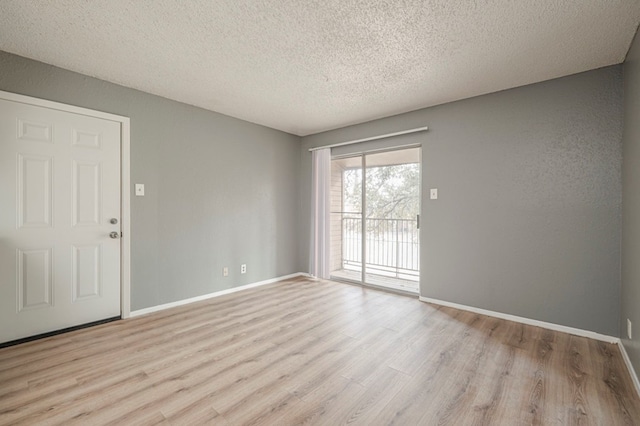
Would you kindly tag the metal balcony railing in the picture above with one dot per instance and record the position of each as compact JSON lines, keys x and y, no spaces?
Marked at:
{"x":393,"y":247}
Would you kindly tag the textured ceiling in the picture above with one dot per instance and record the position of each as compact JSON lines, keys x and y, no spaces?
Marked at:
{"x":309,"y":66}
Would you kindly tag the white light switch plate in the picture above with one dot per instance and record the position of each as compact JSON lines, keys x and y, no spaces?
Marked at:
{"x":434,"y":194}
{"x":139,"y":190}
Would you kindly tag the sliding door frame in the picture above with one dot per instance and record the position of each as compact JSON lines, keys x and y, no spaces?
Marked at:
{"x":363,"y":164}
{"x":363,"y":221}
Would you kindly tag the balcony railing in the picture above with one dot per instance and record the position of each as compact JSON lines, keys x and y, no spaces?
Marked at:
{"x":393,"y":247}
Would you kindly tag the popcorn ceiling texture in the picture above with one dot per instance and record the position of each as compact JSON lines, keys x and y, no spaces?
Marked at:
{"x":307,"y":67}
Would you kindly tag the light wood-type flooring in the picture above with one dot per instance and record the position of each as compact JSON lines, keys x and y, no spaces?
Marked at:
{"x":315,"y":352}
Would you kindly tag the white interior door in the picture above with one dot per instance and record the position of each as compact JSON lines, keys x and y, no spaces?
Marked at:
{"x":59,"y":194}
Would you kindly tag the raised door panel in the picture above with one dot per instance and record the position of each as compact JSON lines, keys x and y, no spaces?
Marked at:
{"x":87,"y":193}
{"x":87,"y":272}
{"x":30,"y":130}
{"x":35,"y":279}
{"x":35,"y":192}
{"x":87,"y":139}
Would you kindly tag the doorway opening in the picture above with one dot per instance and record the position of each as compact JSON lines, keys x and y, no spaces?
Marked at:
{"x":375,"y":216}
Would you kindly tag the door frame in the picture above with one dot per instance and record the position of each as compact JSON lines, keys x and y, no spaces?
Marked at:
{"x":363,"y":164}
{"x":125,"y":185}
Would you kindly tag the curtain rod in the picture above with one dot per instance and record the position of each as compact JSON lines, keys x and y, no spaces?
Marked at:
{"x":373,"y":138}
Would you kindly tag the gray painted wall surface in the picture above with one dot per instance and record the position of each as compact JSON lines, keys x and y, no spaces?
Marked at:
{"x":630,"y":307}
{"x":219,"y":191}
{"x":529,"y":212}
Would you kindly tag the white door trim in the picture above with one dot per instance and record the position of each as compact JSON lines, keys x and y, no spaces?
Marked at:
{"x":125,"y":190}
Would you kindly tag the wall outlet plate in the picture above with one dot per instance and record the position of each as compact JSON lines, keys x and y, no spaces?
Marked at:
{"x":243,"y":268}
{"x":225,"y":271}
{"x":433,"y":193}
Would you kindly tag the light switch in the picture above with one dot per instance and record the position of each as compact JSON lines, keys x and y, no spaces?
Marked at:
{"x":139,"y":190}
{"x":434,"y":193}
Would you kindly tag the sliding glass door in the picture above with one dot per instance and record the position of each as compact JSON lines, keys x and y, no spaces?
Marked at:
{"x":375,"y":206}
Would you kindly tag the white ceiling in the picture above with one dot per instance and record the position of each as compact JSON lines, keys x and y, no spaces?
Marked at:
{"x":309,"y":66}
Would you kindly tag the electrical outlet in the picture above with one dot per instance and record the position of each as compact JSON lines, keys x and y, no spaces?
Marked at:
{"x":243,"y":268}
{"x":629,"y":333}
{"x":225,"y":271}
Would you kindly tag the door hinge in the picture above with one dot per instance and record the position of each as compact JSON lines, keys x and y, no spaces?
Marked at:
{"x":417,"y":221}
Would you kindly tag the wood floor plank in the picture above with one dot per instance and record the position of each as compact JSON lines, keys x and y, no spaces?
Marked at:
{"x":535,"y":373}
{"x":610,"y":384}
{"x":199,"y":412}
{"x":379,"y":392}
{"x":306,"y":351}
{"x":329,"y":402}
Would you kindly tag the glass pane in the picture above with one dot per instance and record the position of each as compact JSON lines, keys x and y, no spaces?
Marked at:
{"x":392,"y":207}
{"x":346,"y":218}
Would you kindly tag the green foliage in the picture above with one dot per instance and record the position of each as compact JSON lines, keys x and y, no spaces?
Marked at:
{"x":393,"y":192}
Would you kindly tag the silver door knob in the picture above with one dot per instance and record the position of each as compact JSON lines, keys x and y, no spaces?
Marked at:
{"x":114,"y":235}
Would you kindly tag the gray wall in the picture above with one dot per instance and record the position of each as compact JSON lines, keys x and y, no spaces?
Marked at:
{"x":529,"y":211}
{"x":528,"y":220}
{"x":631,"y":207}
{"x":219,"y":191}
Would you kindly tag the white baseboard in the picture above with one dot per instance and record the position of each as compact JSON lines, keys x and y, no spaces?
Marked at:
{"x":523,"y":320}
{"x":632,"y":371}
{"x":214,"y":294}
